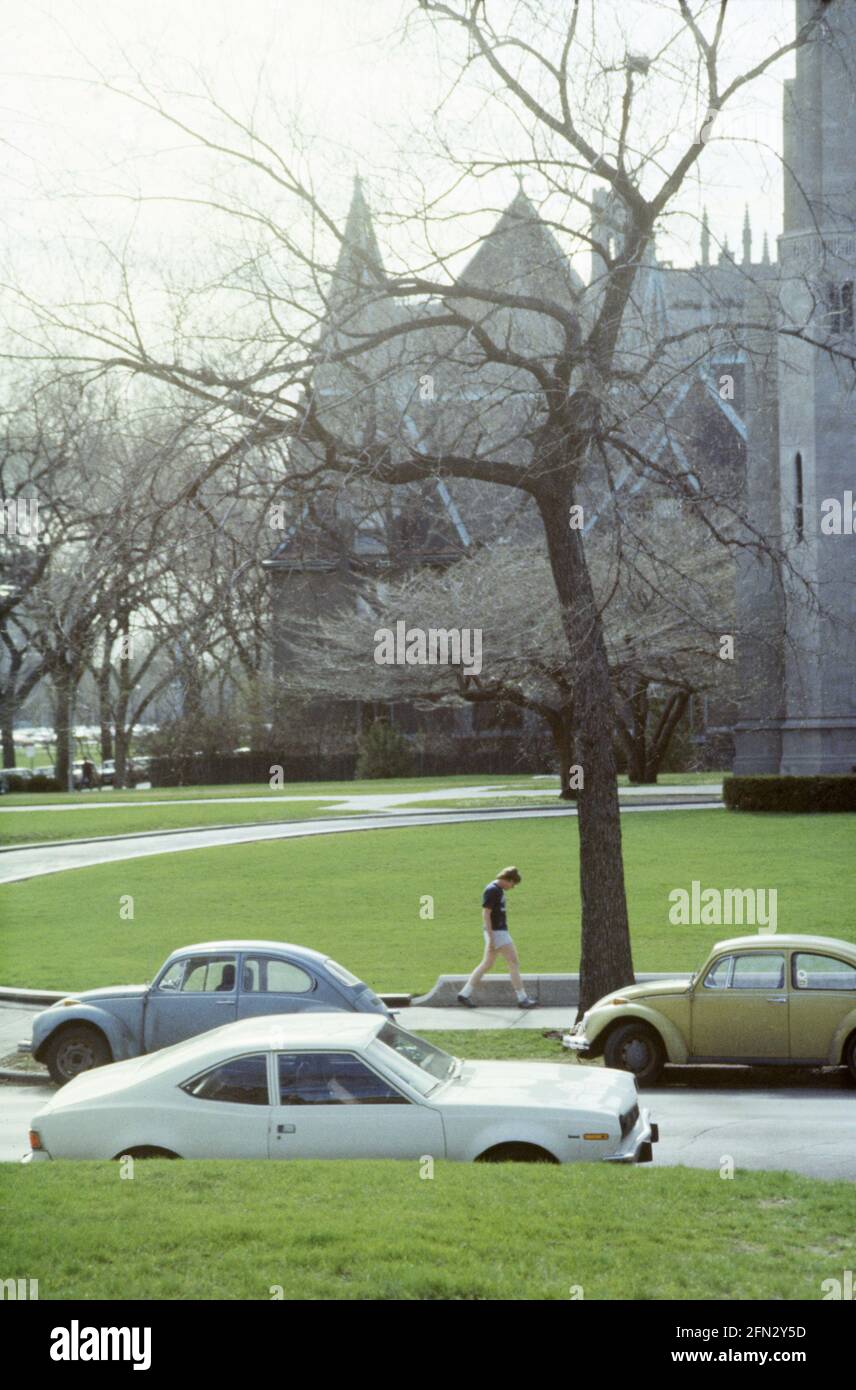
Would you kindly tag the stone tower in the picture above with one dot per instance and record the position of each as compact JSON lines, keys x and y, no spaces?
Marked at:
{"x":809,"y":723}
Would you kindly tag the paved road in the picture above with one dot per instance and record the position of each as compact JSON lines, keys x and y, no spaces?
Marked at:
{"x":17,"y":864}
{"x":705,"y":1113}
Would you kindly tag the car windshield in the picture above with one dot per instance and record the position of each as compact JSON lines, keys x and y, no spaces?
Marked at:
{"x":433,"y":1060}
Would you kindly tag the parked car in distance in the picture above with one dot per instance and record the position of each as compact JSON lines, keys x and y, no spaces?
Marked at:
{"x":196,"y":989}
{"x":341,"y":1086}
{"x":783,"y":1000}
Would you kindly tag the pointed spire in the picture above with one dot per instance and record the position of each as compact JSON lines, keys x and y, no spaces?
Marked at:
{"x":359,"y":264}
{"x":765,"y":255}
{"x":705,"y":238}
{"x":726,"y":255}
{"x":747,"y":238}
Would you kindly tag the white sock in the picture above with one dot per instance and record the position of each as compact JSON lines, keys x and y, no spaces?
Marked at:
{"x":466,"y":991}
{"x":521,"y":995}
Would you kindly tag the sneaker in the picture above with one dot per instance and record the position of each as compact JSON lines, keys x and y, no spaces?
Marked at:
{"x":466,"y":1001}
{"x":527,"y":1003}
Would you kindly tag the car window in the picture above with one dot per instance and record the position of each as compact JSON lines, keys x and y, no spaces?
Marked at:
{"x":822,"y":972}
{"x":172,"y":978}
{"x":240,"y":1081}
{"x":271,"y":975}
{"x":759,"y":970}
{"x":422,"y":1054}
{"x":719,"y":975}
{"x":332,"y":1078}
{"x":209,"y":974}
{"x":341,"y":974}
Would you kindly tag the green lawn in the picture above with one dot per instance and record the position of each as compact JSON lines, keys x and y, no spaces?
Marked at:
{"x":377,"y":1230}
{"x":39,"y":827}
{"x":358,"y":896}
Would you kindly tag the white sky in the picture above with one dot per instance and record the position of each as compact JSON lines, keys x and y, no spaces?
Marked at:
{"x":360,"y":93}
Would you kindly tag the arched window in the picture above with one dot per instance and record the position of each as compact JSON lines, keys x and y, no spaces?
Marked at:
{"x":799,"y":512}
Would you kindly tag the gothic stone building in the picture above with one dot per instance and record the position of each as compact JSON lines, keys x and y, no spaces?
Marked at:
{"x":784,"y":430}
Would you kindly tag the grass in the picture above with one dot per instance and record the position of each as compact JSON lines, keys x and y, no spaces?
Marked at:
{"x":358,"y":896}
{"x":376,"y":1231}
{"x":29,"y":828}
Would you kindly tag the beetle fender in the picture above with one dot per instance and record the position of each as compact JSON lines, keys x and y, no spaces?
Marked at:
{"x":840,"y":1036}
{"x":673,"y":1039}
{"x":121,"y":1041}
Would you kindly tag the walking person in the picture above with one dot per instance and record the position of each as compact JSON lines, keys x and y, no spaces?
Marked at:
{"x":497,"y":939}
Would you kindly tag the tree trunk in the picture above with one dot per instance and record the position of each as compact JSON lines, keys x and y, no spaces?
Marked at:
{"x":606,"y":961}
{"x":7,"y":726}
{"x":562,"y":729}
{"x":64,"y":721}
{"x":104,"y":711}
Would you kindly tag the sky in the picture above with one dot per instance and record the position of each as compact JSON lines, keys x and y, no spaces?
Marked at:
{"x":334,"y":79}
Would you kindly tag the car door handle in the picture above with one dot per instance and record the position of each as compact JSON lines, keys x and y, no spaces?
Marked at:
{"x":780,"y":999}
{"x":286,"y":1129}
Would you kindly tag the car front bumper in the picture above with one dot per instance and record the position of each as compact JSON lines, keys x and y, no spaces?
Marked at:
{"x":26,"y":1047}
{"x":638,"y":1146}
{"x":577,"y":1041}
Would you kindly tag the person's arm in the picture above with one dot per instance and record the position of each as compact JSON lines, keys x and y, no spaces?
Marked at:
{"x":488,"y":922}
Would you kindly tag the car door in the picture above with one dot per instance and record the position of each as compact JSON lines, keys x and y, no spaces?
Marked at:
{"x":740,"y":1009}
{"x":823,"y":992}
{"x":277,"y":985}
{"x":333,"y":1105}
{"x":193,"y":995}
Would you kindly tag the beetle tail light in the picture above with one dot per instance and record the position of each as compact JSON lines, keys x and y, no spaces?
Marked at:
{"x":35,"y":1139}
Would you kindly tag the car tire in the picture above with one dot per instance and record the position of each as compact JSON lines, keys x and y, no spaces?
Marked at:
{"x":636,"y":1048}
{"x":74,"y":1049}
{"x":516,"y":1153}
{"x":145,"y":1151}
{"x":848,"y":1056}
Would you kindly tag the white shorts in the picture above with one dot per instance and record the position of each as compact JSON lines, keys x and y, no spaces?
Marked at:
{"x":497,"y":938}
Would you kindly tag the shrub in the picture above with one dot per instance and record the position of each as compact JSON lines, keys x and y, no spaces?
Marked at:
{"x":383,"y":752}
{"x":42,"y":783}
{"x":773,"y":793}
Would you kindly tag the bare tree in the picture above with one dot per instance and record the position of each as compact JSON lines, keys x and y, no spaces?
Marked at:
{"x":567,"y":389}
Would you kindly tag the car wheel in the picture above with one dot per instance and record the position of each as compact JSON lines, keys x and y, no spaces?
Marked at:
{"x":636,"y":1048}
{"x":849,"y":1055}
{"x":74,"y":1049}
{"x":145,"y":1151}
{"x":516,"y":1153}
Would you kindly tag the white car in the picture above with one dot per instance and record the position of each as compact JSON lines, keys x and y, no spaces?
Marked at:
{"x":340,"y":1085}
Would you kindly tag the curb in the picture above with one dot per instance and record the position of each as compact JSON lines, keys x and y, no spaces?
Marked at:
{"x":37,"y":1078}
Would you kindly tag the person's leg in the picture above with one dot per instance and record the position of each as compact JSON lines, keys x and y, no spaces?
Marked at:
{"x":509,"y":954}
{"x":482,"y":968}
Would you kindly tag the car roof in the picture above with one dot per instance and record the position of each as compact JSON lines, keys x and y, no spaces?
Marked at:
{"x":788,"y":940}
{"x":246,"y":944}
{"x":278,"y":1031}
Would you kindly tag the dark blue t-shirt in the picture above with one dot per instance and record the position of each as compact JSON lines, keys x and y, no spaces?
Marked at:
{"x":494,"y":898}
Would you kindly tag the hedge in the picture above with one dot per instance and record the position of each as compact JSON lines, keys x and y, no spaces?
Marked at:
{"x":773,"y":793}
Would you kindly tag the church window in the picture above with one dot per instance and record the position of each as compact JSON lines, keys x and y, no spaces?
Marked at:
{"x":840,"y":299}
{"x":799,"y":509}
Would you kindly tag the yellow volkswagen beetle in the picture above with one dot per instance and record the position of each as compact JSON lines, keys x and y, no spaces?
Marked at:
{"x":759,"y":1000}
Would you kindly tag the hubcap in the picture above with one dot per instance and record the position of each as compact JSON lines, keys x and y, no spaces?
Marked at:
{"x":636,"y":1055}
{"x":74,"y":1057}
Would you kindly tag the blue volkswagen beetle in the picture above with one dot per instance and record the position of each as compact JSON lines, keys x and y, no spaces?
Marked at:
{"x":197,"y":988}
